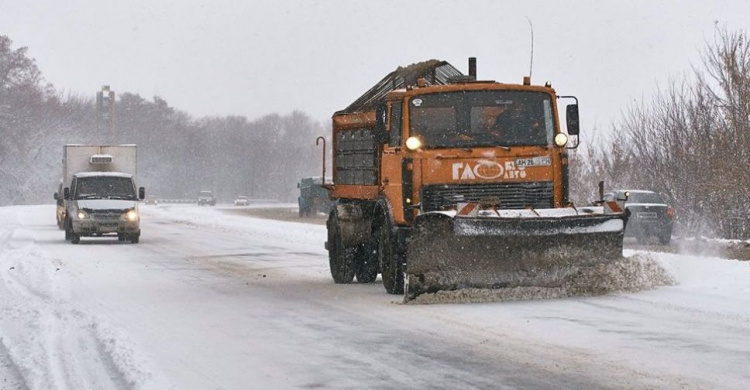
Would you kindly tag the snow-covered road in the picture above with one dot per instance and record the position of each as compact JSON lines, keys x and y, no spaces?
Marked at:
{"x":215,"y":300}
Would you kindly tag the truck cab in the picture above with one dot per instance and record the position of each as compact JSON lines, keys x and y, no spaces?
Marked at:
{"x":102,"y":203}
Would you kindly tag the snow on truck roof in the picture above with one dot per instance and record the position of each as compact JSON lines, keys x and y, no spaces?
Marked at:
{"x":435,"y":72}
{"x":110,"y":174}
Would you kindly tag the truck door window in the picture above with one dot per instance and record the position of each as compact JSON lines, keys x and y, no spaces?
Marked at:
{"x":395,"y":124}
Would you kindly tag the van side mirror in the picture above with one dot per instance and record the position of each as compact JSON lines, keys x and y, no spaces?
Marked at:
{"x":571,"y":116}
{"x":56,"y":196}
{"x":381,"y":132}
{"x":141,"y":193}
{"x":66,"y":193}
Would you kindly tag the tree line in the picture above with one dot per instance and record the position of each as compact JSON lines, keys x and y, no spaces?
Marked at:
{"x":178,"y":155}
{"x":691,"y":142}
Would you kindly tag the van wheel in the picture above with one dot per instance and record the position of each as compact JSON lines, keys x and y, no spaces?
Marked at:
{"x":665,"y":238}
{"x":75,"y":238}
{"x":134,"y":239}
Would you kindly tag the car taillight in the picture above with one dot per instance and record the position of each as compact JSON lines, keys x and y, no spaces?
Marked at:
{"x":670,"y":212}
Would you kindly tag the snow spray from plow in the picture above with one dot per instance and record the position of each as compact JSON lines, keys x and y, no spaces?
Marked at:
{"x":500,"y":249}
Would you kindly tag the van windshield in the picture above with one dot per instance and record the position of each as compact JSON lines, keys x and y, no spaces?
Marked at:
{"x":482,"y":118}
{"x":105,"y":187}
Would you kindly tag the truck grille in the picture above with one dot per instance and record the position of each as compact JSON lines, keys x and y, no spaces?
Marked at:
{"x":537,"y":195}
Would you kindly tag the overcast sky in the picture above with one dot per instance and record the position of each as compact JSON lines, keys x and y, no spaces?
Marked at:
{"x":258,"y":57}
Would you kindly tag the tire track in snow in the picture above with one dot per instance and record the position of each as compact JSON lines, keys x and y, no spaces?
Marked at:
{"x":12,"y":378}
{"x":47,"y":342}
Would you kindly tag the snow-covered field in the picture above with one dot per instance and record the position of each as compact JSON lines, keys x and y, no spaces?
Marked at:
{"x":216,"y":300}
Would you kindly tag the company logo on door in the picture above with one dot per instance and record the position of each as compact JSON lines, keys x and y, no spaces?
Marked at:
{"x":487,"y":170}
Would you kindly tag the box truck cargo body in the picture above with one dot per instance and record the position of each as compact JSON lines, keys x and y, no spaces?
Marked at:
{"x":99,"y":192}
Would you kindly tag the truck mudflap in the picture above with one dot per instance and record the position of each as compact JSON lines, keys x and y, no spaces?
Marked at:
{"x":491,"y":249}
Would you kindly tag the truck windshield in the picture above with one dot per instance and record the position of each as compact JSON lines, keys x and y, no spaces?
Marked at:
{"x":105,"y":187}
{"x":482,"y":118}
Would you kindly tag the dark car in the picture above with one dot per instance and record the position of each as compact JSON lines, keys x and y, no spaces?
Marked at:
{"x":650,"y":217}
{"x":206,"y":198}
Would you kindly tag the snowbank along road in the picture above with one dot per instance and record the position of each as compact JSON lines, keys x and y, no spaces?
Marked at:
{"x":217,"y":300}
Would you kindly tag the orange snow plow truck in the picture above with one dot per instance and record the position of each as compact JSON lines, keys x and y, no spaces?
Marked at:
{"x":443,"y":182}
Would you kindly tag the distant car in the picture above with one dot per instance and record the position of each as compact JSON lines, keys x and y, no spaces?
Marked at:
{"x":649,"y":215}
{"x":241,"y":201}
{"x":206,"y":197}
{"x":151,"y":199}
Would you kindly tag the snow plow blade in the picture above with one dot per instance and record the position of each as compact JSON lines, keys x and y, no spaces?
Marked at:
{"x":510,"y":248}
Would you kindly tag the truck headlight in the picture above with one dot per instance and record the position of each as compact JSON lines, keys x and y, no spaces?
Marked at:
{"x":413,"y":143}
{"x":131,"y":215}
{"x":82,"y":214}
{"x":561,"y":139}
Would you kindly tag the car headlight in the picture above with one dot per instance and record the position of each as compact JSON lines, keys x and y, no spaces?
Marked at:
{"x":82,"y":214}
{"x":131,"y":215}
{"x":561,"y":139}
{"x":413,"y":143}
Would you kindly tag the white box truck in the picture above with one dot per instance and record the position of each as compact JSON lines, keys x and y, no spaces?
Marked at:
{"x":99,"y":192}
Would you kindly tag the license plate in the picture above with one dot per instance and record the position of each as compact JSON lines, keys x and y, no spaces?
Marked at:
{"x":541,"y":161}
{"x":649,"y":215}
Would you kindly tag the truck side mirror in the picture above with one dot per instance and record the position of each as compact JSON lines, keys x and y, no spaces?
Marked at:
{"x":56,"y":196}
{"x":381,"y":132}
{"x":571,"y":115}
{"x":141,"y":193}
{"x":66,"y":193}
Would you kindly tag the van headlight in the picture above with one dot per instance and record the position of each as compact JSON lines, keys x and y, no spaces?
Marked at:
{"x":131,"y":215}
{"x":82,"y":214}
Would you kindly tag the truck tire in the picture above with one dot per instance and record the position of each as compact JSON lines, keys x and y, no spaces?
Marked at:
{"x":367,"y":263}
{"x":665,"y":238}
{"x":340,"y":258}
{"x":392,"y":268}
